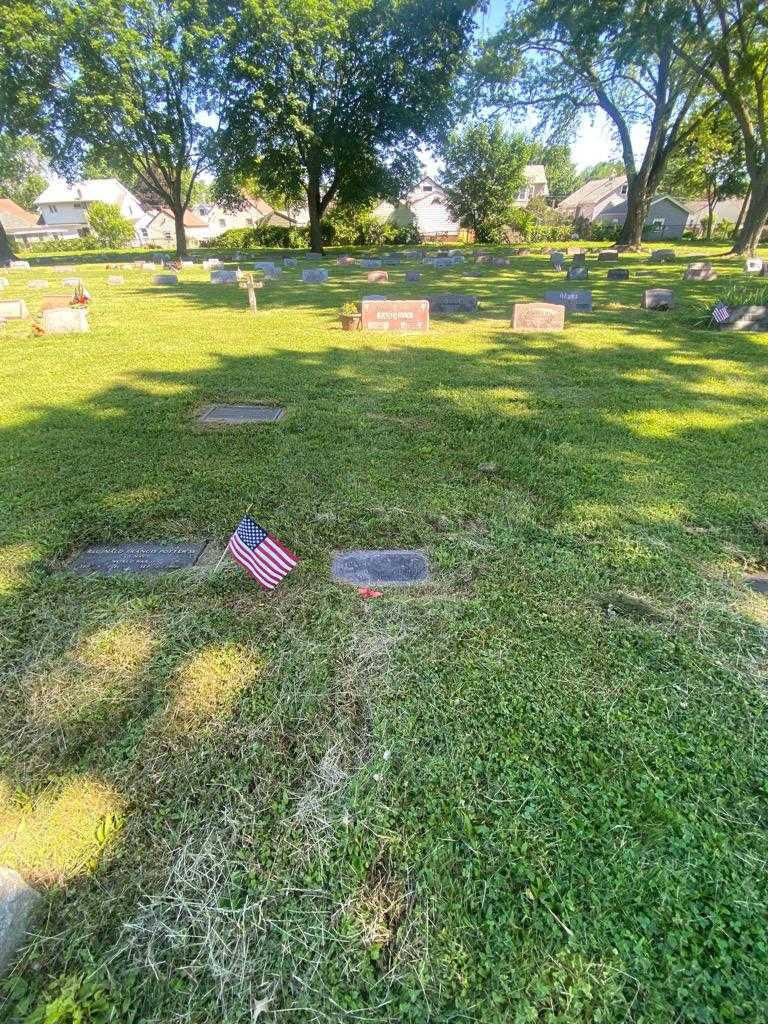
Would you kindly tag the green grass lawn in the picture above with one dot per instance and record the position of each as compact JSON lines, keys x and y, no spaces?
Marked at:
{"x":531,"y":790}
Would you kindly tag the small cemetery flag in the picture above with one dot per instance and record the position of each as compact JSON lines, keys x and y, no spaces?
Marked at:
{"x":721,"y":312}
{"x":265,"y":558}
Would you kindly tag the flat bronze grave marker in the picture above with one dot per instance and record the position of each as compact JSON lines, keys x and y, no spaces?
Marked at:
{"x":136,"y":558}
{"x":242,"y":414}
{"x":380,"y":568}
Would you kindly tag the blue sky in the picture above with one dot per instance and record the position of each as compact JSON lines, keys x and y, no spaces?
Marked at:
{"x":594,"y":139}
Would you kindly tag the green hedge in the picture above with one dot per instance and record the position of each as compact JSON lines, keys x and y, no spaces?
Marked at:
{"x":85,"y":244}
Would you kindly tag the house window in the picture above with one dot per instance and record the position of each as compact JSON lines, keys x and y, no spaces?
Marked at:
{"x":427,"y":188}
{"x":658,"y":222}
{"x":53,"y":208}
{"x":249,"y":221}
{"x":624,"y":189}
{"x":78,"y":206}
{"x":222,"y":222}
{"x":522,"y":195}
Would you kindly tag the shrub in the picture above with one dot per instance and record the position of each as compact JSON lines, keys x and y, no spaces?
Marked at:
{"x":262,"y":236}
{"x":724,"y":229}
{"x":110,"y":227}
{"x":85,"y":244}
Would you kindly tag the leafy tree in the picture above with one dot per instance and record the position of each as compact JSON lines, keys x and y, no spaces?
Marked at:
{"x":728,"y":40}
{"x":602,"y":169}
{"x":562,"y":177}
{"x":141,"y":75}
{"x":331,"y":100}
{"x":483,"y":176}
{"x":710,"y":164}
{"x":109,"y":226}
{"x":22,"y":167}
{"x":564,"y":57}
{"x":31,"y":32}
{"x":145,"y":192}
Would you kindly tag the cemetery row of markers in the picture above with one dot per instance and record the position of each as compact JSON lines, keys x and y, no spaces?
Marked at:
{"x":61,"y":315}
{"x":264,"y":557}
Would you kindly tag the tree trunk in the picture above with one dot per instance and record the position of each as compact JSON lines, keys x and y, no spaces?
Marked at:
{"x":754,"y":219}
{"x":638,"y":204}
{"x":742,"y":211}
{"x":181,"y":234}
{"x":710,"y":218}
{"x":315,"y":218}
{"x":5,"y":248}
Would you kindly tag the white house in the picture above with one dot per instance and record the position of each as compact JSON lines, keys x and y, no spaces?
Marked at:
{"x":64,"y":207}
{"x":158,"y":227}
{"x":253,"y":213}
{"x":426,"y":205}
{"x":535,"y":184}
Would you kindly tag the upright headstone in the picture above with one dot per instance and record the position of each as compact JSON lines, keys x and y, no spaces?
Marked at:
{"x":66,"y":321}
{"x":319,"y":276}
{"x":579,"y":259}
{"x":403,"y":315}
{"x":19,"y":265}
{"x":442,"y":262}
{"x":313,"y":255}
{"x":556,"y":259}
{"x":501,"y":261}
{"x":290,"y":261}
{"x":608,"y":256}
{"x":411,"y":276}
{"x":662,"y":256}
{"x":617,"y":274}
{"x":538,"y":316}
{"x":578,"y":301}
{"x":115,"y":279}
{"x":377,"y":275}
{"x":753,"y":265}
{"x":701,"y":271}
{"x":225,"y":276}
{"x":370,"y":264}
{"x":452,"y":303}
{"x":14,"y":310}
{"x":346,"y":261}
{"x":577,"y":274}
{"x":658,"y":298}
{"x":38,"y":283}
{"x":72,"y":282}
{"x":267,"y":268}
{"x":165,"y":279}
{"x":148,"y":266}
{"x":210,"y":264}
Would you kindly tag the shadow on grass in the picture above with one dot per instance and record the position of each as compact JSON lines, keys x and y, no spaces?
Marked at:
{"x":539,"y":472}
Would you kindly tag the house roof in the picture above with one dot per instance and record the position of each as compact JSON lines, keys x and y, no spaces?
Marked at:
{"x":191,"y":220}
{"x":595,"y":190}
{"x":535,"y":174}
{"x":8,"y":207}
{"x":619,"y":208}
{"x":89,"y":190}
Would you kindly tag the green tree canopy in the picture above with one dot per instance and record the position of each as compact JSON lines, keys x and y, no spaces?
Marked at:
{"x":332,"y":99}
{"x":31,"y":35}
{"x":109,"y":225}
{"x":710,"y":165}
{"x":141,"y":95}
{"x":483,"y":176}
{"x":565,"y":58}
{"x":22,"y":169}
{"x":728,"y":41}
{"x":602,"y":169}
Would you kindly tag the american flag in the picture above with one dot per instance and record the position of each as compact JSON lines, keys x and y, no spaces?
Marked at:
{"x":720,"y":313}
{"x":265,"y":558}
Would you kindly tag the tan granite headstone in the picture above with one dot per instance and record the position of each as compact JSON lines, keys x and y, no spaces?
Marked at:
{"x":538,"y":316}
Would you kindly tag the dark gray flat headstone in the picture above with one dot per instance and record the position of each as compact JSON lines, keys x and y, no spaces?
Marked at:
{"x":380,"y":568}
{"x":758,"y":581}
{"x":453,"y":303}
{"x":17,"y":902}
{"x":242,"y":414}
{"x":577,"y":274}
{"x":149,"y":557}
{"x":617,"y":274}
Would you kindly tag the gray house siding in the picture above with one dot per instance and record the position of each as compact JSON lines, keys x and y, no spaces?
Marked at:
{"x":666,"y":219}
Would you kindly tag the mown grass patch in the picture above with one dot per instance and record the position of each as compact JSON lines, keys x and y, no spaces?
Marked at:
{"x":532,"y":790}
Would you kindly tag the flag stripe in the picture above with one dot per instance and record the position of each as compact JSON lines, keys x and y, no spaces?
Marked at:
{"x":248,"y":559}
{"x":253,"y":559}
{"x":244,"y":558}
{"x":260,"y":554}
